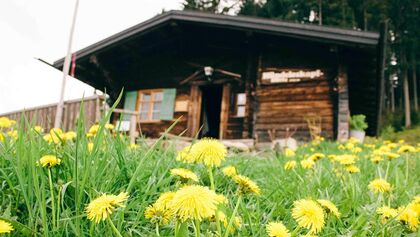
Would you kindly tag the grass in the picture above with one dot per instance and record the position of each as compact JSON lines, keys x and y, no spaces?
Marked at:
{"x":29,"y":202}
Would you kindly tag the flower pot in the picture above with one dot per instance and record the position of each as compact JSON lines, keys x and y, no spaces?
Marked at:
{"x":359,"y":135}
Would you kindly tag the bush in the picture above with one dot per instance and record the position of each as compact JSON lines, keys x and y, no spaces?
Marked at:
{"x":357,"y":122}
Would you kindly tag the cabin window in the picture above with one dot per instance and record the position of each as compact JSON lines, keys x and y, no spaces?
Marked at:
{"x":150,"y":102}
{"x":240,"y":104}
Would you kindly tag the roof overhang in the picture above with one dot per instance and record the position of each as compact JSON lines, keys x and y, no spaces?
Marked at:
{"x":274,"y":27}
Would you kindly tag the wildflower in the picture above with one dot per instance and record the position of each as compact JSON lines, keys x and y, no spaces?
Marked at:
{"x":103,"y":206}
{"x":5,"y":227}
{"x":289,"y":152}
{"x":55,"y":136}
{"x":308,"y":214}
{"x":109,"y":126}
{"x":38,"y":129}
{"x":208,"y":151}
{"x":379,"y":185}
{"x":346,"y":159}
{"x":246,"y":185}
{"x":376,"y":159}
{"x":90,"y":146}
{"x":93,"y":129}
{"x":409,"y":217}
{"x":194,"y":203}
{"x":392,"y":145}
{"x":222,"y":218}
{"x":290,"y":165}
{"x":13,"y":134}
{"x":49,"y":161}
{"x":329,"y":207}
{"x":353,"y":140}
{"x":307,"y":163}
{"x":332,"y":157}
{"x":158,"y":214}
{"x":1,"y":137}
{"x":352,"y":169}
{"x":356,"y":150}
{"x":133,"y":146}
{"x":5,"y":122}
{"x":165,"y":199}
{"x":277,"y":229}
{"x":316,"y":156}
{"x":69,"y":136}
{"x":184,"y":174}
{"x":406,"y":149}
{"x":229,"y":171}
{"x":185,"y":155}
{"x":386,"y":213}
{"x":391,"y":155}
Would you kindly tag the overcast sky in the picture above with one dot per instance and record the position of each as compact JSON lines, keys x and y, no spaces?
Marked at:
{"x":40,"y":29}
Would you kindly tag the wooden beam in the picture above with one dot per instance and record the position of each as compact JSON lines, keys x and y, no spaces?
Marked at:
{"x":224,"y":112}
{"x":343,"y":114}
{"x":191,"y":77}
{"x":194,"y":111}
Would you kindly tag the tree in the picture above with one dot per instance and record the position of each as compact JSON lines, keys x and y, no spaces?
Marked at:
{"x":214,"y":6}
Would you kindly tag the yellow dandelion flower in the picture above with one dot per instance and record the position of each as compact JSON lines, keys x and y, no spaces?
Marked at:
{"x":376,"y":159}
{"x":100,"y":208}
{"x":222,"y":199}
{"x":406,"y":149}
{"x":386,"y":213}
{"x":194,"y":203}
{"x":1,"y":137}
{"x":94,"y":129}
{"x":49,"y":161}
{"x":356,"y":150}
{"x":352,"y":169}
{"x":308,"y":214}
{"x":332,"y":157}
{"x":392,"y":145}
{"x":90,"y":146}
{"x":379,"y":185}
{"x":5,"y":122}
{"x":69,"y":136}
{"x":353,"y":140}
{"x":349,"y":146}
{"x":316,"y":156}
{"x":346,"y":159}
{"x":56,"y":135}
{"x":133,"y":146}
{"x":246,"y":185}
{"x":184,"y":174}
{"x":158,"y":214}
{"x":229,"y":171}
{"x":209,"y":152}
{"x":289,"y":152}
{"x":415,"y":206}
{"x":13,"y":134}
{"x":408,"y":217}
{"x":290,"y":165}
{"x":401,"y":141}
{"x":109,"y":126}
{"x":329,"y":207}
{"x":38,"y":129}
{"x":277,"y":229}
{"x":185,"y":155}
{"x":5,"y":227}
{"x":391,"y":155}
{"x":165,"y":199}
{"x":307,"y":163}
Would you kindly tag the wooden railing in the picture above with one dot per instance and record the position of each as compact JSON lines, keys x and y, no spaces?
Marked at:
{"x":44,"y":115}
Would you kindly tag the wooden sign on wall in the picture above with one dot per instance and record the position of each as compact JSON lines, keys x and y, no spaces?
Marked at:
{"x":181,"y":106}
{"x":271,"y":76}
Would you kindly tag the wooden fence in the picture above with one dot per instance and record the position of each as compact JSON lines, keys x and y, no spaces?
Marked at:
{"x":44,"y":115}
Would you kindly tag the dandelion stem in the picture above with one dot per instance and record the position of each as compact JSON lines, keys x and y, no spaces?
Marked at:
{"x":406,"y":169}
{"x":213,"y":187}
{"x":52,"y":198}
{"x":157,"y":229}
{"x":197,"y":228}
{"x":111,"y":224}
{"x":233,"y":216}
{"x":294,"y":233}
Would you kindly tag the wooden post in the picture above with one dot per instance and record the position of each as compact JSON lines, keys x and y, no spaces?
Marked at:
{"x":194,"y":111}
{"x":224,"y":112}
{"x":381,"y":74}
{"x":66,"y":67}
{"x":343,"y":105}
{"x":132,"y":131}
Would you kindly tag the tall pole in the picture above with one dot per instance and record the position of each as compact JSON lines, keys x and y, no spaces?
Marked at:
{"x":66,"y":67}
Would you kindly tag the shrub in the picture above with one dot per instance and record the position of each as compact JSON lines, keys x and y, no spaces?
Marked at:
{"x":357,"y":122}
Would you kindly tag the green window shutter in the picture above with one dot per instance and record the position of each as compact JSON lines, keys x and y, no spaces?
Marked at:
{"x":168,"y":104}
{"x":130,"y":103}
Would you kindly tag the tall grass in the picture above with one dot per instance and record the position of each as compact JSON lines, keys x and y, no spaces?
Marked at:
{"x":112,"y":167}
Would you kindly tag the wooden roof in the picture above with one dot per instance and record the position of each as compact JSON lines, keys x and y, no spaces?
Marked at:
{"x":251,"y":24}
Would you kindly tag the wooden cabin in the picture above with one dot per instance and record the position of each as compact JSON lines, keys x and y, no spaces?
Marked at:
{"x":234,"y":77}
